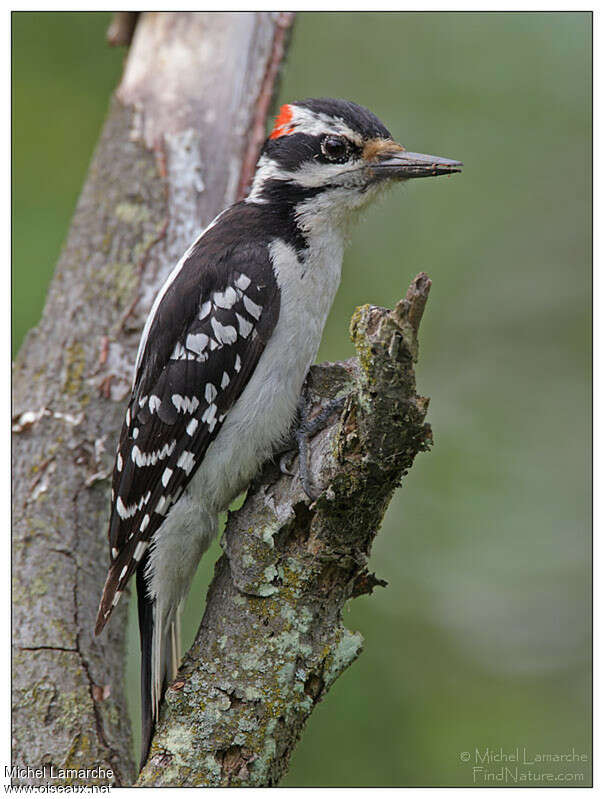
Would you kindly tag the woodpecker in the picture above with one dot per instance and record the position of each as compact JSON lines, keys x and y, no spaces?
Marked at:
{"x":224,"y":353}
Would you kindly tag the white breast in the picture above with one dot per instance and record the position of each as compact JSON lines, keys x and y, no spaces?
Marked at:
{"x":260,"y":419}
{"x":262,"y":416}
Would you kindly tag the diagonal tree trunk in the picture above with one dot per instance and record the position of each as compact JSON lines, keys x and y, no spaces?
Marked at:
{"x":179,"y":143}
{"x":195,"y":93}
{"x":272,"y":641}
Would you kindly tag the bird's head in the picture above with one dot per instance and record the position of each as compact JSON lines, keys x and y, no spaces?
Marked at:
{"x":328,"y":157}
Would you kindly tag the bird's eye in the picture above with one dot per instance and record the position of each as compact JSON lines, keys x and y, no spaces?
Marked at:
{"x":334,"y":147}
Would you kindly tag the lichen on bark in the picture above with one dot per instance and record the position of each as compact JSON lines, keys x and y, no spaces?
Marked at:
{"x":143,"y":201}
{"x":272,"y":641}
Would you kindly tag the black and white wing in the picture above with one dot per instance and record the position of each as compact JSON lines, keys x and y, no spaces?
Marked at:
{"x":205,"y":334}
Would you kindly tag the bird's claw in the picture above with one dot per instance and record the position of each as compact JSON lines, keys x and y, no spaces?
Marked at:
{"x":286,"y":463}
{"x":302,"y":437}
{"x":305,"y":431}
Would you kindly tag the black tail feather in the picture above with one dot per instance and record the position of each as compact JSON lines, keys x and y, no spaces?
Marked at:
{"x":145,"y":626}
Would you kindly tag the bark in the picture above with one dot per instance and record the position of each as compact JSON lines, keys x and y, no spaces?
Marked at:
{"x":272,"y":641}
{"x":176,"y":146}
{"x":121,"y":29}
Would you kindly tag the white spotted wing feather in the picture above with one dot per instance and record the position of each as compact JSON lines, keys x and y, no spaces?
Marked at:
{"x":183,"y":390}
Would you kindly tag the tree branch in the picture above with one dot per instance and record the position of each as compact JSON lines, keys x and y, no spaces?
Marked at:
{"x":187,"y":102}
{"x":272,"y":641}
{"x":121,"y":28}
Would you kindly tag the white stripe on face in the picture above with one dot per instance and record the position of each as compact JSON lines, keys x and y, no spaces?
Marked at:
{"x":312,"y":123}
{"x":315,"y":123}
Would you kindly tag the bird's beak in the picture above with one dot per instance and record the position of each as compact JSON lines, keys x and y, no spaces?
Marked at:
{"x":392,"y":162}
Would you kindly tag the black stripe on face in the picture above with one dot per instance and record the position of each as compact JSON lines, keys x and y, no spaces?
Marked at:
{"x":291,"y":152}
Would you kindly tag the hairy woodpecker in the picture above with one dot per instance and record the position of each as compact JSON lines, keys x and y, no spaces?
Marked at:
{"x":224,"y":353}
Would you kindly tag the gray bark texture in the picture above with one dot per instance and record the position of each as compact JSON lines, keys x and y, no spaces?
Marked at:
{"x":179,"y":144}
{"x":180,"y":135}
{"x":272,"y":641}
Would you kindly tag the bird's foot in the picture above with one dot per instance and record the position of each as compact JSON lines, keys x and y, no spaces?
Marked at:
{"x":305,"y":429}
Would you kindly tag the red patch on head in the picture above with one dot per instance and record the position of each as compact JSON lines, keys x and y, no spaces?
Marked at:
{"x":282,"y":124}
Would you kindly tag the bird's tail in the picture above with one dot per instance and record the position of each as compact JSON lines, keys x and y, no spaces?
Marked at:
{"x":163,"y":579}
{"x":160,"y":655}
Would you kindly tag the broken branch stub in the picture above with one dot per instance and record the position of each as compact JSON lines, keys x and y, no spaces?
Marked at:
{"x":169,"y":159}
{"x":272,"y":641}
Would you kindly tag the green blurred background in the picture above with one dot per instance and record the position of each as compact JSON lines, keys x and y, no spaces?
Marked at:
{"x":482,"y":638}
